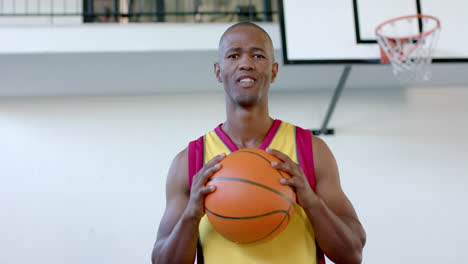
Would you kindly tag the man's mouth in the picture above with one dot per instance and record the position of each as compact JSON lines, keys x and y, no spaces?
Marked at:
{"x":246,"y":81}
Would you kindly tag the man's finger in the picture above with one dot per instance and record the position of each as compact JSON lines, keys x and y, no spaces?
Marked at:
{"x":210,"y":171}
{"x":291,"y":182}
{"x":215,"y":160}
{"x":282,"y":166}
{"x":207,"y":173}
{"x":207,"y":189}
{"x":209,"y":165}
{"x":280,"y":155}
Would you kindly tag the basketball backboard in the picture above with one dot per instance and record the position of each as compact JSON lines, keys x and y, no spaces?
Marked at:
{"x":343,"y":31}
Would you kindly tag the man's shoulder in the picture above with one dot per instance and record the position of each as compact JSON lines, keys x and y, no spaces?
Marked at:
{"x":291,"y":124}
{"x":318,"y":144}
{"x":195,"y":141}
{"x":180,"y":159}
{"x":200,"y":138}
{"x":299,"y":130}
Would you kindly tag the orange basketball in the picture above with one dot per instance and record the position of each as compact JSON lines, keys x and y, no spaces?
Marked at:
{"x":249,"y":205}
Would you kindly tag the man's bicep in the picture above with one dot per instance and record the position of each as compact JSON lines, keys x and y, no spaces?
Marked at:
{"x":177,"y":194}
{"x":328,"y":186}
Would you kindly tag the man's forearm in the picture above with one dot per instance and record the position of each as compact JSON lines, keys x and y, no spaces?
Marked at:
{"x":180,"y":246}
{"x":340,"y":238}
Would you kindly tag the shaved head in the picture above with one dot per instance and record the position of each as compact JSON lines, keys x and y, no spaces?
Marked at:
{"x":246,"y":24}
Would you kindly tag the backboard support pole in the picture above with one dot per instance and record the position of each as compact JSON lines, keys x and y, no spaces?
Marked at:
{"x":331,"y":107}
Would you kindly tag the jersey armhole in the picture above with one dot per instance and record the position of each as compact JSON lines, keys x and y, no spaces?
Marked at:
{"x":195,"y":158}
{"x":305,"y":154}
{"x":306,"y":160}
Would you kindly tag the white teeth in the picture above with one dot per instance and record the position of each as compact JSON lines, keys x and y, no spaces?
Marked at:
{"x":246,"y":80}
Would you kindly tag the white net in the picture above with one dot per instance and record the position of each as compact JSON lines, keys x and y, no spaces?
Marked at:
{"x":407,"y":43}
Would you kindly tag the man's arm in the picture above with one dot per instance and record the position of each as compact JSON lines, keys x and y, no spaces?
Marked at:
{"x":337,"y":228}
{"x":338,"y":231}
{"x":177,"y":235}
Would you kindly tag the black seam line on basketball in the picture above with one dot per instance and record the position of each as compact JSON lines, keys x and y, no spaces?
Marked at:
{"x":246,"y":217}
{"x":267,"y":160}
{"x":286,"y":215}
{"x":251,"y":152}
{"x":272,"y":231}
{"x":254,"y":183}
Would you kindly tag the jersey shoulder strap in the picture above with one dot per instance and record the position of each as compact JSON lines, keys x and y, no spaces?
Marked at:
{"x":195,"y":158}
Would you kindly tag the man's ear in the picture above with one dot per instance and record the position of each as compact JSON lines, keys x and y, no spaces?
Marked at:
{"x":217,"y":71}
{"x":274,"y":71}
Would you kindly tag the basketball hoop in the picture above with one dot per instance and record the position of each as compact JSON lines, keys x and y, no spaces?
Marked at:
{"x":407,"y":43}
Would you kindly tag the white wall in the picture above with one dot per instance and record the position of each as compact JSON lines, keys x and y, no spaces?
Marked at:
{"x":137,"y":37}
{"x":83,"y":177}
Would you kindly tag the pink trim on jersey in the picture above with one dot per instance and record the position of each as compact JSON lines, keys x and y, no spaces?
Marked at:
{"x":305,"y":154}
{"x":195,"y":155}
{"x":306,"y":160}
{"x":271,"y":134}
{"x":266,"y":142}
{"x":225,"y":139}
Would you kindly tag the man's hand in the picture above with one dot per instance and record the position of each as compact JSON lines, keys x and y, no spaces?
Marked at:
{"x":178,"y":231}
{"x":306,"y":197}
{"x":196,"y":207}
{"x":338,"y":232}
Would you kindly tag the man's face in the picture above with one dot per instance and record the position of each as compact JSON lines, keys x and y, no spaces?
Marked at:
{"x":246,"y":65}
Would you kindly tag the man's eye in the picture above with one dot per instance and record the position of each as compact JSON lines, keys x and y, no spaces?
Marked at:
{"x":233,"y":56}
{"x":259,"y":56}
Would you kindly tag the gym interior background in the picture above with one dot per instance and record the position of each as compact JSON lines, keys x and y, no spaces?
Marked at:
{"x":97,"y":97}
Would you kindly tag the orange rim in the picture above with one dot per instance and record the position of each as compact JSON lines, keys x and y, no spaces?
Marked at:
{"x":418,"y":16}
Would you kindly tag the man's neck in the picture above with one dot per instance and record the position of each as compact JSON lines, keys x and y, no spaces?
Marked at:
{"x":247,"y":128}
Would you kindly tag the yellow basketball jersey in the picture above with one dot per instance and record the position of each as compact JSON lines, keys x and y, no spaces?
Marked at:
{"x":296,"y":243}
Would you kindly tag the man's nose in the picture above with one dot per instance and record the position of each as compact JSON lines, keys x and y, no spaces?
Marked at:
{"x":246,"y":63}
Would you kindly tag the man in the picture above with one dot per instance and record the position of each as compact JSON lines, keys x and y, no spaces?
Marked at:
{"x":324,"y":219}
